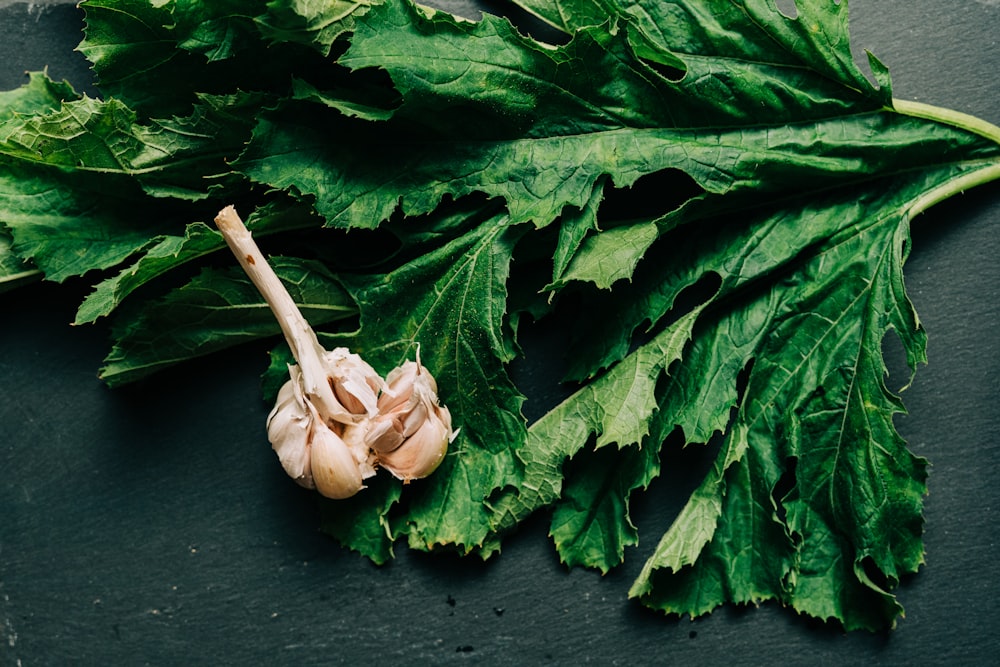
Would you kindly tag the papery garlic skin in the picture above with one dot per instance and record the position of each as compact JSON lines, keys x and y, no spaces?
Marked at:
{"x":312,"y":451}
{"x":355,"y":384}
{"x":288,"y":429}
{"x":411,"y":433}
{"x":344,"y":388}
{"x":354,"y":437}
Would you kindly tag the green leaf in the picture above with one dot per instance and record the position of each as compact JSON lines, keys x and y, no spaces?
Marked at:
{"x":214,"y":311}
{"x":315,"y":24}
{"x":165,"y":253}
{"x":612,"y":255}
{"x":449,"y":303}
{"x":135,"y":55}
{"x":573,"y":229}
{"x":616,"y":407}
{"x":159,"y":58}
{"x":66,"y":225}
{"x":168,"y":252}
{"x":590,"y":522}
{"x":14,"y":271}
{"x":218,"y":30}
{"x":351,"y":105}
{"x":626,"y":125}
{"x":69,"y":224}
{"x":772,"y":61}
{"x":179,"y":158}
{"x":76,"y":176}
{"x":740,"y":550}
{"x":360,"y":522}
{"x":815,"y":418}
{"x":38,"y":96}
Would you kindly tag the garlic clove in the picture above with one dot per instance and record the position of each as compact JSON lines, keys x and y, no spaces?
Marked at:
{"x":384,"y":434}
{"x":399,"y":386}
{"x":335,"y":472}
{"x":422,"y":452}
{"x":400,"y":383}
{"x":414,"y":418}
{"x":389,"y":429}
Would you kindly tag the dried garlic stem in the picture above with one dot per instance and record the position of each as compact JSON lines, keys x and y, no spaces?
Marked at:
{"x":300,"y":336}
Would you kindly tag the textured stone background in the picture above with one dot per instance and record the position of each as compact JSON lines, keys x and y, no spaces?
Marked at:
{"x":149,"y":526}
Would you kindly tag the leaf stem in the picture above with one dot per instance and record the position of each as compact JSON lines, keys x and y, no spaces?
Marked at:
{"x":990,"y":169}
{"x":990,"y":172}
{"x":21,"y":275}
{"x":951,"y":117}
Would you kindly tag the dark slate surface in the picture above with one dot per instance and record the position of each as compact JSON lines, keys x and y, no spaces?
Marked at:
{"x":152,"y":526}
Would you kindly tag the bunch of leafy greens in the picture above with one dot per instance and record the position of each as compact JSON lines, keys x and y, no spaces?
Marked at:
{"x":711,"y":199}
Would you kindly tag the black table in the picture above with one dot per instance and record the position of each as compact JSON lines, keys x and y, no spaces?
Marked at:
{"x":151,"y":525}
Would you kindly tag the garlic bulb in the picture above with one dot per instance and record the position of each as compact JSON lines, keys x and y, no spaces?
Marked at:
{"x":336,"y":419}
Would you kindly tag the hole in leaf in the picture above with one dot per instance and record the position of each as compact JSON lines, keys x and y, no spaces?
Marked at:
{"x":875,"y":574}
{"x":544,"y":356}
{"x":743,"y":381}
{"x":648,"y":198}
{"x":670,"y":72}
{"x":787,"y":8}
{"x":692,"y":296}
{"x":686,"y":300}
{"x":783,"y":487}
{"x":683,"y":467}
{"x":525,"y":23}
{"x":666,"y":64}
{"x":898,"y":372}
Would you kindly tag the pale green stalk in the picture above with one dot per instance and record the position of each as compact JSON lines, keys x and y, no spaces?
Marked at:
{"x":989,"y":170}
